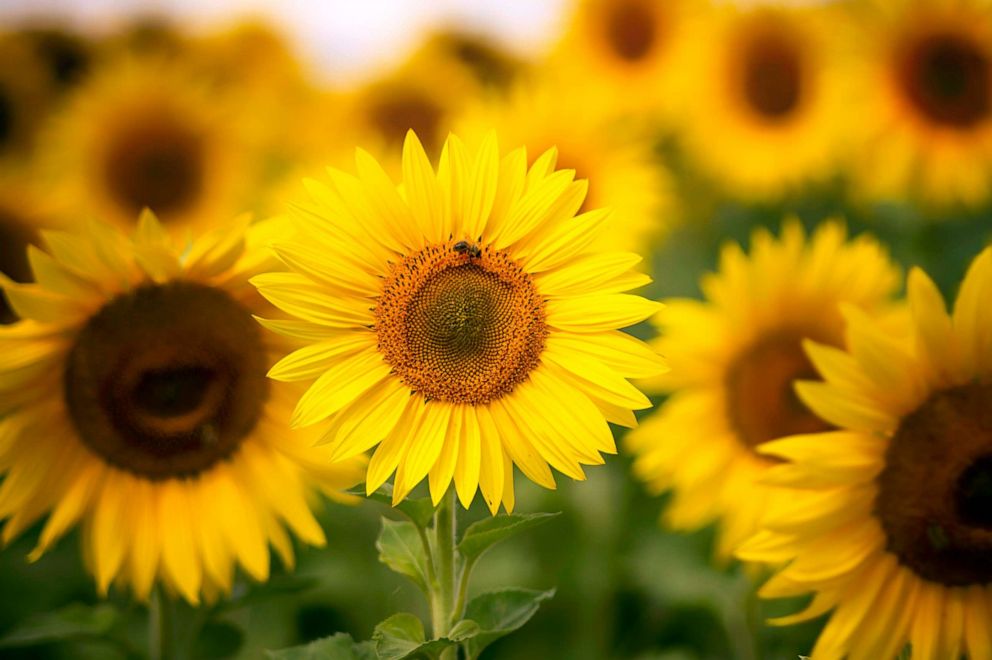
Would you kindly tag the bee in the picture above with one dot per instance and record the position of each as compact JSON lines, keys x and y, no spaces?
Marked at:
{"x":471,"y":249}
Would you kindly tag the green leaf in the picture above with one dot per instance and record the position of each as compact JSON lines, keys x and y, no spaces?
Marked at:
{"x":401,"y":636}
{"x":498,"y":613}
{"x":480,"y":536}
{"x":420,"y":510}
{"x":464,"y":629}
{"x":70,"y":622}
{"x":336,"y":647}
{"x":401,"y":549}
{"x":218,"y":639}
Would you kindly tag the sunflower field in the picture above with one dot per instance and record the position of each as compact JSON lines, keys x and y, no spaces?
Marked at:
{"x":670,"y":339}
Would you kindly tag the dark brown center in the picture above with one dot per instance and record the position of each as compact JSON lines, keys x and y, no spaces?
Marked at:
{"x":66,"y":55}
{"x":772,"y":76}
{"x":167,"y":380}
{"x":156,"y":162}
{"x":631,"y":29}
{"x":15,"y":236}
{"x":461,"y":323}
{"x":401,"y":110}
{"x":947,"y":78}
{"x":935,"y":493}
{"x":761,"y":400}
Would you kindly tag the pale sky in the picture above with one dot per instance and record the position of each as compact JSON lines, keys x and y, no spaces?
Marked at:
{"x":344,"y":39}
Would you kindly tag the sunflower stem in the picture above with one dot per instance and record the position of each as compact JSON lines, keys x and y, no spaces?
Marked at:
{"x":443,"y":598}
{"x":158,"y":626}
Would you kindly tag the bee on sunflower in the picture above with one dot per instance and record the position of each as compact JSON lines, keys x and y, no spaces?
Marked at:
{"x":459,"y":322}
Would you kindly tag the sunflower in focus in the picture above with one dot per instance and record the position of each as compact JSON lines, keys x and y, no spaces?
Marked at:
{"x":460,"y":321}
{"x":627,"y":50}
{"x":150,"y":134}
{"x":764,"y":98}
{"x":617,"y":163}
{"x":891,"y":513}
{"x":927,"y":93}
{"x":135,"y":403}
{"x":734,"y":358}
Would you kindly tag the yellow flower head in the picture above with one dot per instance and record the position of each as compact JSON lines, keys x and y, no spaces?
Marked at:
{"x":890,"y":519}
{"x":460,"y":322}
{"x":492,"y":64}
{"x":135,"y":403}
{"x":618,"y":162}
{"x":763,"y":98}
{"x":150,"y":133}
{"x":626,"y":50}
{"x":927,"y":97}
{"x":734,"y":358}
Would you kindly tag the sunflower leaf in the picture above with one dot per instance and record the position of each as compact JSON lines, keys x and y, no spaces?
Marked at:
{"x":70,"y":622}
{"x":420,"y":510}
{"x":401,"y":549}
{"x":402,"y":636}
{"x":498,"y":613}
{"x":336,"y":647}
{"x":482,"y":535}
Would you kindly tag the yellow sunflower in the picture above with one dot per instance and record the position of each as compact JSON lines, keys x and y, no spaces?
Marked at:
{"x":423,"y":95}
{"x":927,"y":99}
{"x":890,"y":518}
{"x":460,"y":322}
{"x":149,"y":133}
{"x":764,"y":98}
{"x":25,"y":96}
{"x":734,"y":357}
{"x":489,"y":62}
{"x":626,"y":50}
{"x":618,"y":162}
{"x":135,"y":403}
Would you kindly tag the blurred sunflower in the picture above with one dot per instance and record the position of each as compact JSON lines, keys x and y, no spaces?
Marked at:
{"x":764,"y":97}
{"x":618,"y":164}
{"x":489,"y":62}
{"x":890,"y":519}
{"x":135,"y":402}
{"x":927,"y":95}
{"x":25,"y":96}
{"x":460,"y":322}
{"x":423,"y":95}
{"x":21,"y":219}
{"x":626,"y":50}
{"x":734,"y":358}
{"x":67,"y":56}
{"x":148,"y":134}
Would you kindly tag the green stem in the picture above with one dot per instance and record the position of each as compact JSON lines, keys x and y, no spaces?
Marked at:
{"x":442,"y":599}
{"x":158,"y":626}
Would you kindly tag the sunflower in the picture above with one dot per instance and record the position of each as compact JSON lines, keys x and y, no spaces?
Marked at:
{"x":460,"y":322}
{"x":927,"y":95}
{"x":626,"y":50}
{"x":149,"y":133}
{"x":25,"y":96}
{"x":734,"y":357}
{"x":134,"y":399}
{"x":892,"y":511}
{"x":617,"y":162}
{"x":423,"y":95}
{"x":765,"y":98}
{"x":489,"y":62}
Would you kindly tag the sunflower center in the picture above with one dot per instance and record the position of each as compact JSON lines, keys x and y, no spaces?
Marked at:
{"x":935,"y":493}
{"x":403,"y":110}
{"x":630,"y":30}
{"x":761,"y":402}
{"x":6,"y":117}
{"x":949,"y":80}
{"x":167,"y":380}
{"x":14,"y":240}
{"x":156,"y":162}
{"x":460,"y":323}
{"x":772,"y":77}
{"x":66,"y":55}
